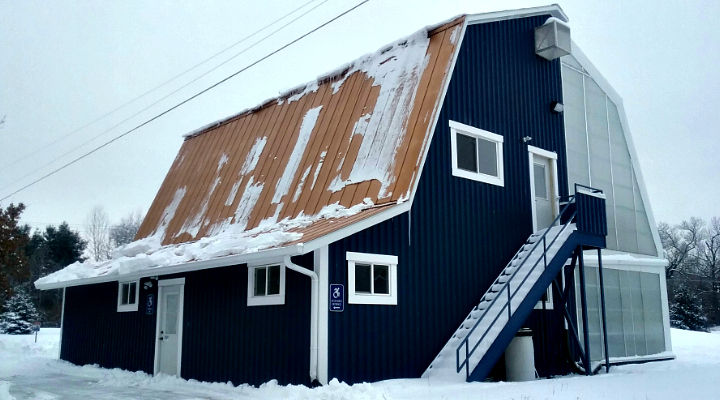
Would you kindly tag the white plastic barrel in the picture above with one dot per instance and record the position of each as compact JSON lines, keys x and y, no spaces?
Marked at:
{"x":520,"y":358}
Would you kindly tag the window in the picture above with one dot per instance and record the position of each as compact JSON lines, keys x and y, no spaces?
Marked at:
{"x":266,"y":285}
{"x":372,"y":278}
{"x":476,"y":154}
{"x":128,"y":296}
{"x":633,"y":301}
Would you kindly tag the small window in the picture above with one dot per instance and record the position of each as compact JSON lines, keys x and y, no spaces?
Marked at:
{"x":476,"y":154}
{"x":372,"y":278}
{"x":266,"y":285}
{"x":540,"y":176}
{"x":127,"y":296}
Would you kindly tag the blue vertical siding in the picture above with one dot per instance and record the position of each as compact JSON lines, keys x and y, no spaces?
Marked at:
{"x":95,"y":333}
{"x":223,"y":339}
{"x":460,"y":233}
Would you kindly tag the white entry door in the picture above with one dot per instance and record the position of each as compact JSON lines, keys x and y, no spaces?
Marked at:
{"x":168,"y":348}
{"x":543,"y":187}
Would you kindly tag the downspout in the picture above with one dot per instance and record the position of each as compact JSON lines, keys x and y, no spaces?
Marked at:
{"x":314,"y":304}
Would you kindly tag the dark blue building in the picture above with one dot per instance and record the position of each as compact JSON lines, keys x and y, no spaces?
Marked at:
{"x":404,"y":216}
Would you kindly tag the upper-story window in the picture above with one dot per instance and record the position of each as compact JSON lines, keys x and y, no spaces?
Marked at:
{"x":476,"y":154}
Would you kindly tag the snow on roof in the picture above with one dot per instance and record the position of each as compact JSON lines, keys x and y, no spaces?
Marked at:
{"x":357,"y":132}
{"x":149,"y":255}
{"x":308,"y":163}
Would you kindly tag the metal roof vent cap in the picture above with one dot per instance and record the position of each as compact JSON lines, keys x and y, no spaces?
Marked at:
{"x":552,"y":39}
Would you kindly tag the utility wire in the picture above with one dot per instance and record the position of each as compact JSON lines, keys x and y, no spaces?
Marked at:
{"x":161,"y":99}
{"x":187,"y":100}
{"x":155,"y":88}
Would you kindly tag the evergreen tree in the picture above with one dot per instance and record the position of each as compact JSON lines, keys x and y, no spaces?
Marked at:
{"x":19,"y":316}
{"x":14,"y":268}
{"x":686,"y":311}
{"x":49,"y":251}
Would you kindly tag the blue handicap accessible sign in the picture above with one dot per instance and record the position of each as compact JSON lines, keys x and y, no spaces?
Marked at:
{"x":337,"y":297}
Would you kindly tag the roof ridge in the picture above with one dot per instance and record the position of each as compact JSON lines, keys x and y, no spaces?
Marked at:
{"x":329,"y":76}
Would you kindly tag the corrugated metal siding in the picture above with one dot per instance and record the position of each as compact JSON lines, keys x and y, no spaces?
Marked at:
{"x":223,"y":339}
{"x":95,"y":333}
{"x":209,"y":167}
{"x":460,"y":233}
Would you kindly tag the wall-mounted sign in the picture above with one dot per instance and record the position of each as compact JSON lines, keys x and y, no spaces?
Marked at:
{"x":337,"y":297}
{"x":150,"y":304}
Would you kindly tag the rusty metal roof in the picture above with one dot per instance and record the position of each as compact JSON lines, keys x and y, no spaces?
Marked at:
{"x":356,"y":134}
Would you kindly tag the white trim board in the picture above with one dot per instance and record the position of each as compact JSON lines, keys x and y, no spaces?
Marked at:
{"x":554,"y":10}
{"x":321,"y":265}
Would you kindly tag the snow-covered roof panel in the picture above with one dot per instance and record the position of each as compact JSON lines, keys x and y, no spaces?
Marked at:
{"x":148,"y":257}
{"x":356,"y":133}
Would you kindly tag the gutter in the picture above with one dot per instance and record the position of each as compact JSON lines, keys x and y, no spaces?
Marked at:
{"x":314,"y":311}
{"x":246,"y":258}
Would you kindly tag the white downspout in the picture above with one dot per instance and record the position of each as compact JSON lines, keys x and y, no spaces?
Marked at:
{"x":314,"y":304}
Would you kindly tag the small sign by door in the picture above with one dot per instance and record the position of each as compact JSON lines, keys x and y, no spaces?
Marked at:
{"x":150,"y":304}
{"x":337,"y":297}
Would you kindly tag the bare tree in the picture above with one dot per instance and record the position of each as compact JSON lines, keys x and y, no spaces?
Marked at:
{"x":98,"y":234}
{"x":680,"y":243}
{"x":124,"y":232}
{"x":692,"y":249}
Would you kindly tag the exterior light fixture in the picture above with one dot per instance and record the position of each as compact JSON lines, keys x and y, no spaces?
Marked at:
{"x":526,"y":139}
{"x":557,"y":107}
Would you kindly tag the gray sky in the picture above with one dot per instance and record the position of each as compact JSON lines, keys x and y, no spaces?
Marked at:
{"x":64,"y":64}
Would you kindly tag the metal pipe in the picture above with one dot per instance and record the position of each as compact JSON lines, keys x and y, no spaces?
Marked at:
{"x":314,"y":311}
{"x":604,"y":316}
{"x":583,"y":301}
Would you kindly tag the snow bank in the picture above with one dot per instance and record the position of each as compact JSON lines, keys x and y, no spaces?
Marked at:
{"x":148,"y":254}
{"x":693,"y":375}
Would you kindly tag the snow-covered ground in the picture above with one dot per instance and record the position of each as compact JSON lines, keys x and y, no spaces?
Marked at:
{"x":30,"y":370}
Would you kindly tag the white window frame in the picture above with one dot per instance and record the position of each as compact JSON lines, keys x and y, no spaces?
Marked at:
{"x":455,"y":128}
{"x":266,"y":300}
{"x":128,"y":307}
{"x":371,"y":298}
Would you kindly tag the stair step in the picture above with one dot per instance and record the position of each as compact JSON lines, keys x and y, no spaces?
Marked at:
{"x":481,"y":322}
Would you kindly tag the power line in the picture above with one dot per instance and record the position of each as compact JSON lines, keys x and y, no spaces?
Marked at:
{"x":159,"y":100}
{"x":156,"y":87}
{"x":186,"y":100}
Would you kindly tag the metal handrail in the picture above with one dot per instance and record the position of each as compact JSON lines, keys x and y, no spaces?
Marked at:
{"x":506,"y":285}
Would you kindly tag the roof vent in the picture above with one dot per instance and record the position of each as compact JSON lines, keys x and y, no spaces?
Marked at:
{"x":552,"y":39}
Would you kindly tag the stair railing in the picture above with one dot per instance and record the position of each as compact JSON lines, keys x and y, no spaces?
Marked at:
{"x":506,"y":286}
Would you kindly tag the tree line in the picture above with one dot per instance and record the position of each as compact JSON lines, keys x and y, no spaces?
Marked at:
{"x":26,"y":256}
{"x":692,"y":249}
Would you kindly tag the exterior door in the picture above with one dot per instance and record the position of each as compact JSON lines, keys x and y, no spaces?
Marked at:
{"x":168,"y":348}
{"x":543,"y":182}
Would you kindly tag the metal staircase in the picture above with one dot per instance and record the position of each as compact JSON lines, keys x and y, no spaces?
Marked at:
{"x":483,"y":336}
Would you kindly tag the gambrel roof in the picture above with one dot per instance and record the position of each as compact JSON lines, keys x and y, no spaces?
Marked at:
{"x":354,"y":136}
{"x":326,"y":158}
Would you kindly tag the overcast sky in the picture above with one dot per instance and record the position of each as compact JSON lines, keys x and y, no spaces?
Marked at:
{"x":64,"y":64}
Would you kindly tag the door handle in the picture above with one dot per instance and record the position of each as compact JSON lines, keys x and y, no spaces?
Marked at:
{"x":160,"y":338}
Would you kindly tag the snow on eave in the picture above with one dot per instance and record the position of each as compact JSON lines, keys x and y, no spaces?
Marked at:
{"x":338,"y":74}
{"x":234,"y":245}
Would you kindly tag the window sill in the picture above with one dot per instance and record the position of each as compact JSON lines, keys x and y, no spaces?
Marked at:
{"x":274,"y":300}
{"x":127,"y":308}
